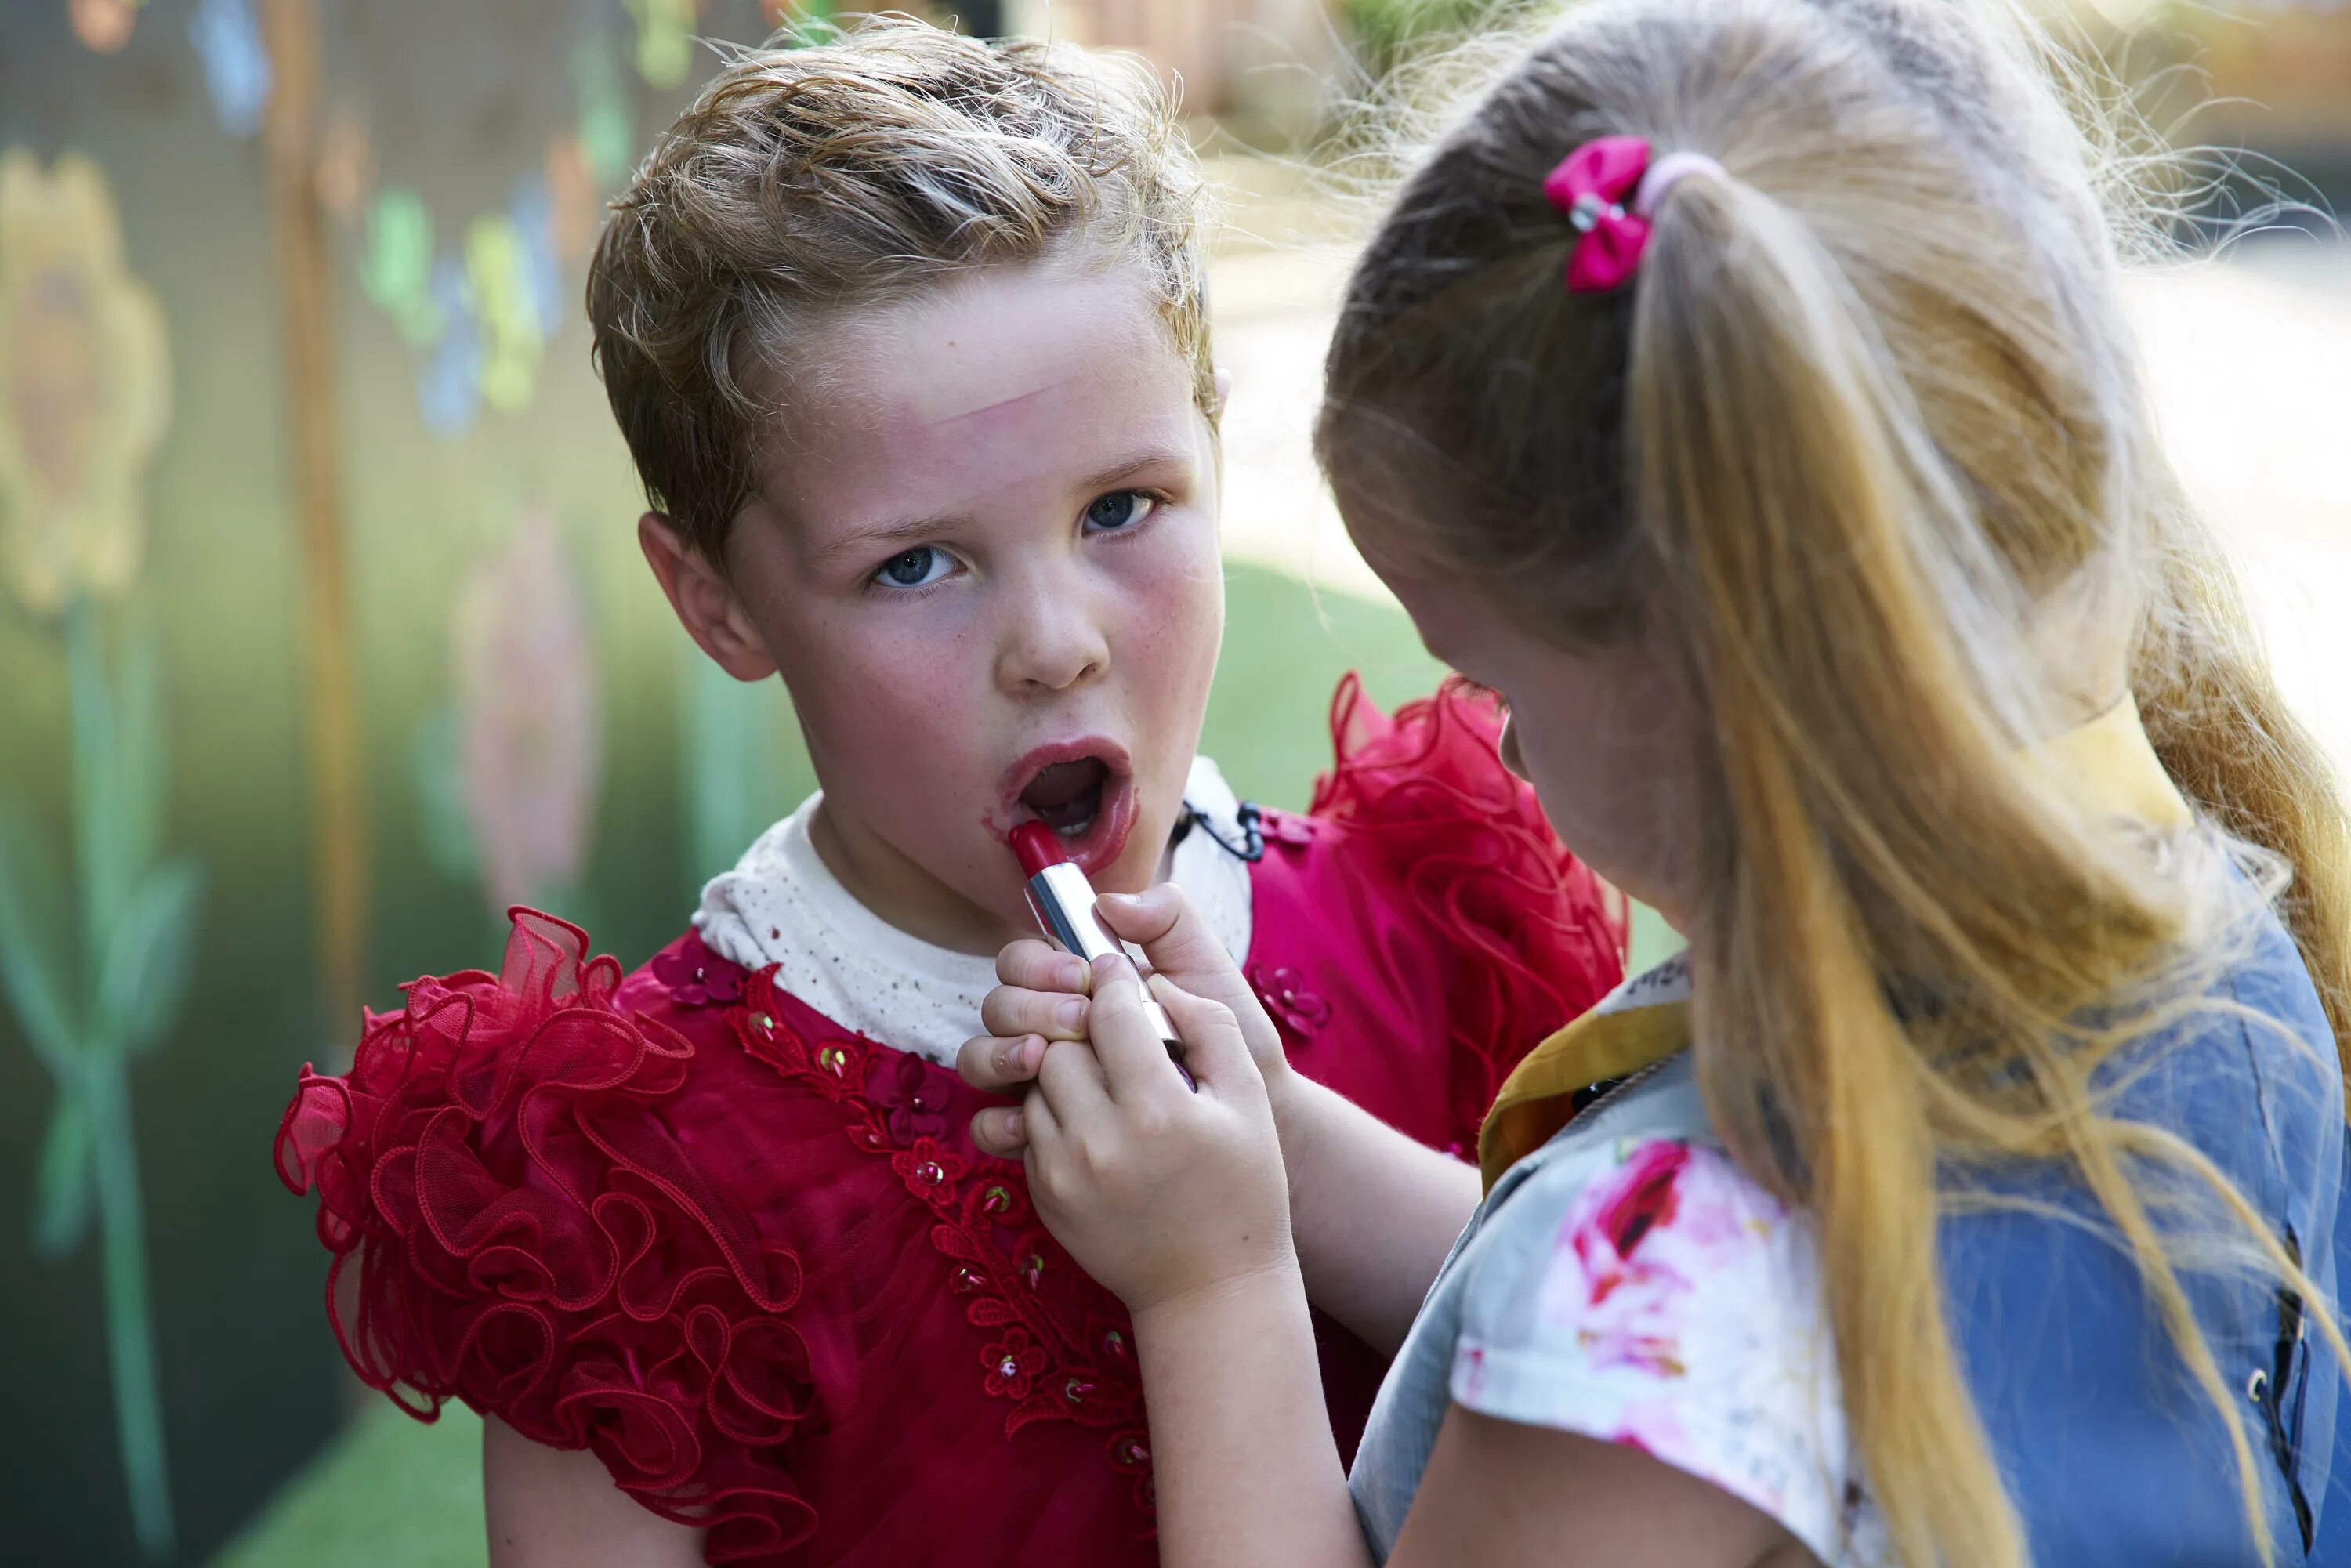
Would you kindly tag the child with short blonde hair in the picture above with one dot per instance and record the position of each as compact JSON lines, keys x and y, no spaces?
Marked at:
{"x":907,"y":333}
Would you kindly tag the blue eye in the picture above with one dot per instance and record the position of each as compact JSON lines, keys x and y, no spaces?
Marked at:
{"x":916,"y":568}
{"x":1119,"y":509}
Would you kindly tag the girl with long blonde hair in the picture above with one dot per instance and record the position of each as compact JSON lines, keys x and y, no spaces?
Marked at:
{"x":1742,"y":392}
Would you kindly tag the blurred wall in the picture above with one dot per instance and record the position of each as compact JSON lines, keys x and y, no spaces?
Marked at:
{"x":515,"y":683}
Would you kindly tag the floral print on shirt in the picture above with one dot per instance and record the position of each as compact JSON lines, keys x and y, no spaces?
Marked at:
{"x":1678,"y":1311}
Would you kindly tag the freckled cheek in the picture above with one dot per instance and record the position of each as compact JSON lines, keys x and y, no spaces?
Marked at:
{"x":874,"y":702}
{"x":1171,"y":613}
{"x":1170,"y":628}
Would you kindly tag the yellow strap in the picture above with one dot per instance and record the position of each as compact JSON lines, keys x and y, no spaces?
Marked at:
{"x":1532,"y":1102}
{"x":2109,"y":755}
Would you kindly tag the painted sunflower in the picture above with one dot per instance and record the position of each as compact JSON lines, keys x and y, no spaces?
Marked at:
{"x":85,"y":391}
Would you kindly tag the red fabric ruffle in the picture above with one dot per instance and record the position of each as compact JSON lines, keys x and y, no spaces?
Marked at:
{"x":1537,"y":938}
{"x":497,"y":1186}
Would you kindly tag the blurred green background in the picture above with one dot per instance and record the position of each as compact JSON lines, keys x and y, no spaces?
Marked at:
{"x":323,"y":632}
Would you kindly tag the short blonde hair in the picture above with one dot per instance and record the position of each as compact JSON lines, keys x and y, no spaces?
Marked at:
{"x":805,"y":182}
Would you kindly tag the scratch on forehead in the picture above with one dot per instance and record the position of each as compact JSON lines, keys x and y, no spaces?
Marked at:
{"x":935,"y":409}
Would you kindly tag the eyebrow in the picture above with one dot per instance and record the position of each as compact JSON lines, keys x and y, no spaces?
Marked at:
{"x":886,"y":539}
{"x":883,"y":539}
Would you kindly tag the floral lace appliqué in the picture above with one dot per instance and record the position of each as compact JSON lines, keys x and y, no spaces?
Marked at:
{"x":1283,"y":991}
{"x":698,"y":978}
{"x":1059,"y":1347}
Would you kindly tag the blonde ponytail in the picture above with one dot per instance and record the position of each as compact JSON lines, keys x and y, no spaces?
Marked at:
{"x":1760,"y":435}
{"x":1769,"y":429}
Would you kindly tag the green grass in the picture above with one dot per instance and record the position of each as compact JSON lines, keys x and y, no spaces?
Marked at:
{"x":1385,"y":32}
{"x":391,"y":1492}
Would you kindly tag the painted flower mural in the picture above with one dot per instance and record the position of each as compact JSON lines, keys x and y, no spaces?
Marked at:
{"x":97,"y":945}
{"x":529,"y":719}
{"x":84,"y":388}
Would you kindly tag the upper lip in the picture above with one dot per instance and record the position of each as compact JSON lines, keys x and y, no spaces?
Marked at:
{"x":1038,"y":758}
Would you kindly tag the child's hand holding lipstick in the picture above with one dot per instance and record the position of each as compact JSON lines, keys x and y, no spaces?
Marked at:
{"x":1160,"y":1193}
{"x":1043,"y":998}
{"x":1154,"y":1191}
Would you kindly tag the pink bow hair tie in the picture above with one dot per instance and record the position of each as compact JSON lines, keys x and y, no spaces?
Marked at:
{"x":1609,"y":189}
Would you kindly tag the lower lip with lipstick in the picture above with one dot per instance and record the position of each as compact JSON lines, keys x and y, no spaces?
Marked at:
{"x":1063,"y":903}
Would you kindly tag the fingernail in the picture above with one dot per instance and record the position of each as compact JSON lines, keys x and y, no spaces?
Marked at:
{"x":1015,"y":1128}
{"x":1008,"y":1057}
{"x":1128,"y":899}
{"x":1071,"y":1012}
{"x":1032,"y":1053}
{"x":1071,"y":974}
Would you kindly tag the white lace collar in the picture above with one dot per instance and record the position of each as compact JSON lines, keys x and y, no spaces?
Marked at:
{"x":781,"y":905}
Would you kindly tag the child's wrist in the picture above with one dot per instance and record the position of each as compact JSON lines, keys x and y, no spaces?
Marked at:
{"x":1299,"y":1104}
{"x":1281,"y":1081}
{"x":1233,"y":1301}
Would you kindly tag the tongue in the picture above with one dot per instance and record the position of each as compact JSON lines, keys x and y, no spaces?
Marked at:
{"x":1068,"y":793}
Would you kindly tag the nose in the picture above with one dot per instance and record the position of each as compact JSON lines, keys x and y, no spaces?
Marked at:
{"x":1052,"y":639}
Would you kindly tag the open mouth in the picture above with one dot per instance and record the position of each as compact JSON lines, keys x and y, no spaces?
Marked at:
{"x":1067,"y":797}
{"x":1084,"y":790}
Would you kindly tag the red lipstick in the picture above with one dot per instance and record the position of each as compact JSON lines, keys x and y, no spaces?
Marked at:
{"x":1038,"y":847}
{"x":1063,"y":903}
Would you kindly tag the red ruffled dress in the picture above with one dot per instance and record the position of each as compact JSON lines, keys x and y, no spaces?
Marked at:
{"x":752,"y":1259}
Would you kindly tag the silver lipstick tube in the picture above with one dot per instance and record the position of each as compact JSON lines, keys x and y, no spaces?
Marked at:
{"x":1064,"y":901}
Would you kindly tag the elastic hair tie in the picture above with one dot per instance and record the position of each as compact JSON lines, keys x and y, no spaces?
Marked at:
{"x":1591,"y":187}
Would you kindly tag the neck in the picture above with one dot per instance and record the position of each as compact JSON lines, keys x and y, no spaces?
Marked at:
{"x":904,"y":894}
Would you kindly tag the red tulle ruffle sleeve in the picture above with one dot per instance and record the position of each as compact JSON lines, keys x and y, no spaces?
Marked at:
{"x":514,"y":1226}
{"x":1536,"y":937}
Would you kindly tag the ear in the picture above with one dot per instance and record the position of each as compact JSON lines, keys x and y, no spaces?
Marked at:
{"x":1224,"y":384}
{"x":706,"y":605}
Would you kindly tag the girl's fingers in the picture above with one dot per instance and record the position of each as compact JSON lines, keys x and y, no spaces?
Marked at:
{"x":1177,"y":942}
{"x":1071,"y":1081}
{"x":1001,"y":1131}
{"x":998,"y":1065}
{"x":1010,"y":1010}
{"x":1133,"y":1058}
{"x":1162,"y":922}
{"x":1042,"y":1128}
{"x":1033,"y":964}
{"x":1214,"y":1051}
